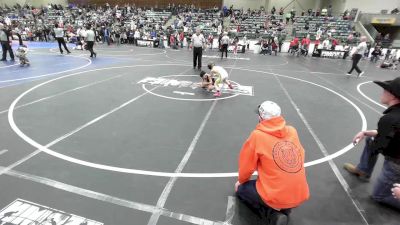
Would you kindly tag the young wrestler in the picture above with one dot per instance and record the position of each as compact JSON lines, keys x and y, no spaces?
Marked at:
{"x":221,"y":77}
{"x":207,"y":81}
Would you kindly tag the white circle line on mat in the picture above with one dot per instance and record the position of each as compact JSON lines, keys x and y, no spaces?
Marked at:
{"x":51,"y":74}
{"x":365,"y":96}
{"x":188,"y":99}
{"x":158,"y":173}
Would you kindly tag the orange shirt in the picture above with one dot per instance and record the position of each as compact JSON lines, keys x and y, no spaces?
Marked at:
{"x":275,"y":152}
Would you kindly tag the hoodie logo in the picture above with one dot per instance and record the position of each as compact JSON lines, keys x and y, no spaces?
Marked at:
{"x":287,"y":156}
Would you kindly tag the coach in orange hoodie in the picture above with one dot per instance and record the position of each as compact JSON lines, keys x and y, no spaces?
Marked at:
{"x":275,"y":152}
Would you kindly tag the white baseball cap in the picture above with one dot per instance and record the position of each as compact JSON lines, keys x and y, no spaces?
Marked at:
{"x":268,"y":110}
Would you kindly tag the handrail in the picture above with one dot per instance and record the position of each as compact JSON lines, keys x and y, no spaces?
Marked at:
{"x":365,"y":31}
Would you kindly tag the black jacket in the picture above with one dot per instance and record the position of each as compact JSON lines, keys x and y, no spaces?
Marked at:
{"x":376,"y":52}
{"x":387,"y":141}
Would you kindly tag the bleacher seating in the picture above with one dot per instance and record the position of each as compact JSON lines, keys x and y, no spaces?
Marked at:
{"x":253,"y":26}
{"x":339,"y":28}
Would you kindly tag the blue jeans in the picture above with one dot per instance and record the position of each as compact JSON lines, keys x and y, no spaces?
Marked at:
{"x":107,"y":39}
{"x":248,"y":194}
{"x":390,"y":174}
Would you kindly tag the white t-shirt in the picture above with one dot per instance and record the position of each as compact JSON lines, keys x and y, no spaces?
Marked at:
{"x":59,"y":32}
{"x":198,"y":40}
{"x":326,"y":44}
{"x":225,"y":40}
{"x":361,"y":48}
{"x":90,"y":36}
{"x":218,"y":71}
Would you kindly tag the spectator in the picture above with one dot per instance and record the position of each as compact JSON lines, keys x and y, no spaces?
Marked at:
{"x":388,"y":53}
{"x":273,"y":10}
{"x":264,"y":47}
{"x":376,"y":53}
{"x":288,"y":16}
{"x":274,"y":150}
{"x":305,"y":43}
{"x":334,"y":44}
{"x":386,"y":141}
{"x":330,"y":11}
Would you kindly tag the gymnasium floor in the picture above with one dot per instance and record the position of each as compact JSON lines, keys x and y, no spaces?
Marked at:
{"x":100,"y":141}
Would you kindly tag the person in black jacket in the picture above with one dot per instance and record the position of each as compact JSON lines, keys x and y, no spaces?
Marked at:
{"x":5,"y":40}
{"x":375,"y":54}
{"x":386,"y":141}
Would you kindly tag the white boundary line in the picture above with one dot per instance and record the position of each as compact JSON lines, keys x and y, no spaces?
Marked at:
{"x":69,"y":134}
{"x":332,"y":164}
{"x":167,"y":189}
{"x":16,"y":64}
{"x":62,"y":93}
{"x":346,"y":92}
{"x":110,"y":50}
{"x":50,"y":74}
{"x":111,"y":55}
{"x":3,"y":151}
{"x":257,"y":65}
{"x":346,"y":148}
{"x":110,"y":199}
{"x":368,"y":98}
{"x":157,"y":173}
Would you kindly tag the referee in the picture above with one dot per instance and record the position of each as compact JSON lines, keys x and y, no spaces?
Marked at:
{"x":198,"y":42}
{"x":59,"y":35}
{"x":90,"y":37}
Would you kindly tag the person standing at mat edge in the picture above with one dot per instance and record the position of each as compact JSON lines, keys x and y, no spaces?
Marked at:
{"x":59,"y":35}
{"x":357,"y":55}
{"x":198,"y":42}
{"x":90,"y":36}
{"x":5,"y":43}
{"x":274,"y":150}
{"x":386,"y":141}
{"x":224,"y":45}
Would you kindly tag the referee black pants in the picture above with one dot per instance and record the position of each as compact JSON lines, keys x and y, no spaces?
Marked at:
{"x":356,"y":59}
{"x":197,"y":54}
{"x":90,"y":48}
{"x":5,"y":45}
{"x":224,"y":50}
{"x":61,"y":41}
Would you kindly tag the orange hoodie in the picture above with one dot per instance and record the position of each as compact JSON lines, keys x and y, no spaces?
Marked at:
{"x":274,"y":150}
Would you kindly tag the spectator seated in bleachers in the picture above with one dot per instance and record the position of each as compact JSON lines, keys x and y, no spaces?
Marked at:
{"x":294,"y":46}
{"x":376,"y":53}
{"x":264,"y":48}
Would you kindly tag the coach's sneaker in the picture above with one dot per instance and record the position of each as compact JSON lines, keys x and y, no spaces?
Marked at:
{"x":217,"y":94}
{"x":278,"y":218}
{"x":360,"y":74}
{"x":353,"y":170}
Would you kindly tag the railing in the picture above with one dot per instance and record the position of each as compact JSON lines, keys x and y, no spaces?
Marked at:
{"x":367,"y":30}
